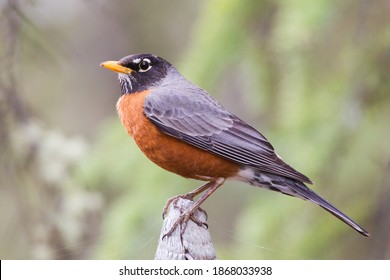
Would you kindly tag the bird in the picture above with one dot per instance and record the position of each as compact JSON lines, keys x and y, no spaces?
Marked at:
{"x":184,"y":130}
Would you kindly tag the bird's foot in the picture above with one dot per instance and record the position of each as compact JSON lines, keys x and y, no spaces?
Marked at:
{"x":190,"y":196}
{"x":188,"y":213}
{"x":175,"y":198}
{"x":184,"y":218}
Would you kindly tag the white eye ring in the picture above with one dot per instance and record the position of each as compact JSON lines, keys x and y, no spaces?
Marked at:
{"x":145,"y":65}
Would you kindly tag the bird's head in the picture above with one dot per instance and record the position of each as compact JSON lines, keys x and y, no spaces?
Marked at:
{"x":138,"y":72}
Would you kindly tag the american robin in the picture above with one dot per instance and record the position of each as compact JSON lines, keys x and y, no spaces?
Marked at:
{"x":181,"y":128}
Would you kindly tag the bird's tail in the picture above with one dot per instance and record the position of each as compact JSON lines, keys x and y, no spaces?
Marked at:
{"x":297,"y":189}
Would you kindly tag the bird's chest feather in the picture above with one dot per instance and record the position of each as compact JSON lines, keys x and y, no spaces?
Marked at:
{"x":166,"y":151}
{"x":130,"y":110}
{"x":148,"y":137}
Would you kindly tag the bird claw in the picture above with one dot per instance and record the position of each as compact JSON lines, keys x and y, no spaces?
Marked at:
{"x":182,"y":218}
{"x":205,"y":214}
{"x":173,"y":199}
{"x":209,"y":187}
{"x":183,"y":221}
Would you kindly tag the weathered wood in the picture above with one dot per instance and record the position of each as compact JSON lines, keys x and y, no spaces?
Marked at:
{"x":194,"y":243}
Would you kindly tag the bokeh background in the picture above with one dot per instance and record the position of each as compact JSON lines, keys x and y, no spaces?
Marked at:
{"x":313,"y":76}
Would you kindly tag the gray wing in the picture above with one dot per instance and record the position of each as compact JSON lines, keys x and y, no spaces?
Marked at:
{"x":197,"y":119}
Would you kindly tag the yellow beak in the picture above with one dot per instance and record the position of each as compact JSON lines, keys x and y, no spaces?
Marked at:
{"x":115,"y":66}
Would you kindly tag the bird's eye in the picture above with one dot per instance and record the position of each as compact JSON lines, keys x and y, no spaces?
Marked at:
{"x":144,"y":65}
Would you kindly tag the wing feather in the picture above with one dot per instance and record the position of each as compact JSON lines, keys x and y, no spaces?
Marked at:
{"x":204,"y":123}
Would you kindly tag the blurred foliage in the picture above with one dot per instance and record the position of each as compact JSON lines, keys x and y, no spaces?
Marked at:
{"x":311,"y":75}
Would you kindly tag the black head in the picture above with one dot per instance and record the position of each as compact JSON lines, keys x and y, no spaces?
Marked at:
{"x":138,"y":72}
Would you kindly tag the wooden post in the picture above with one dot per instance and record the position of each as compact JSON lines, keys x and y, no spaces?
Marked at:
{"x":192,"y":244}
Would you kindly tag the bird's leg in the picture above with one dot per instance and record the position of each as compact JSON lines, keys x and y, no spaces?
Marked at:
{"x":184,"y":217}
{"x":190,"y":195}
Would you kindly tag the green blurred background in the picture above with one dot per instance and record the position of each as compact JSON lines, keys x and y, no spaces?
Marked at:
{"x":313,"y":76}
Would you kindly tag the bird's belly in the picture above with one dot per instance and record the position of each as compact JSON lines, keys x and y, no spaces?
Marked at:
{"x":166,"y":151}
{"x":183,"y":159}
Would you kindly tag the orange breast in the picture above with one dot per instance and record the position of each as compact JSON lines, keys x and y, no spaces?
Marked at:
{"x":166,"y":151}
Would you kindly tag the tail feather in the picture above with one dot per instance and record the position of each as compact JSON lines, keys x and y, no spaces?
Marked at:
{"x":297,"y":189}
{"x":310,"y":195}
